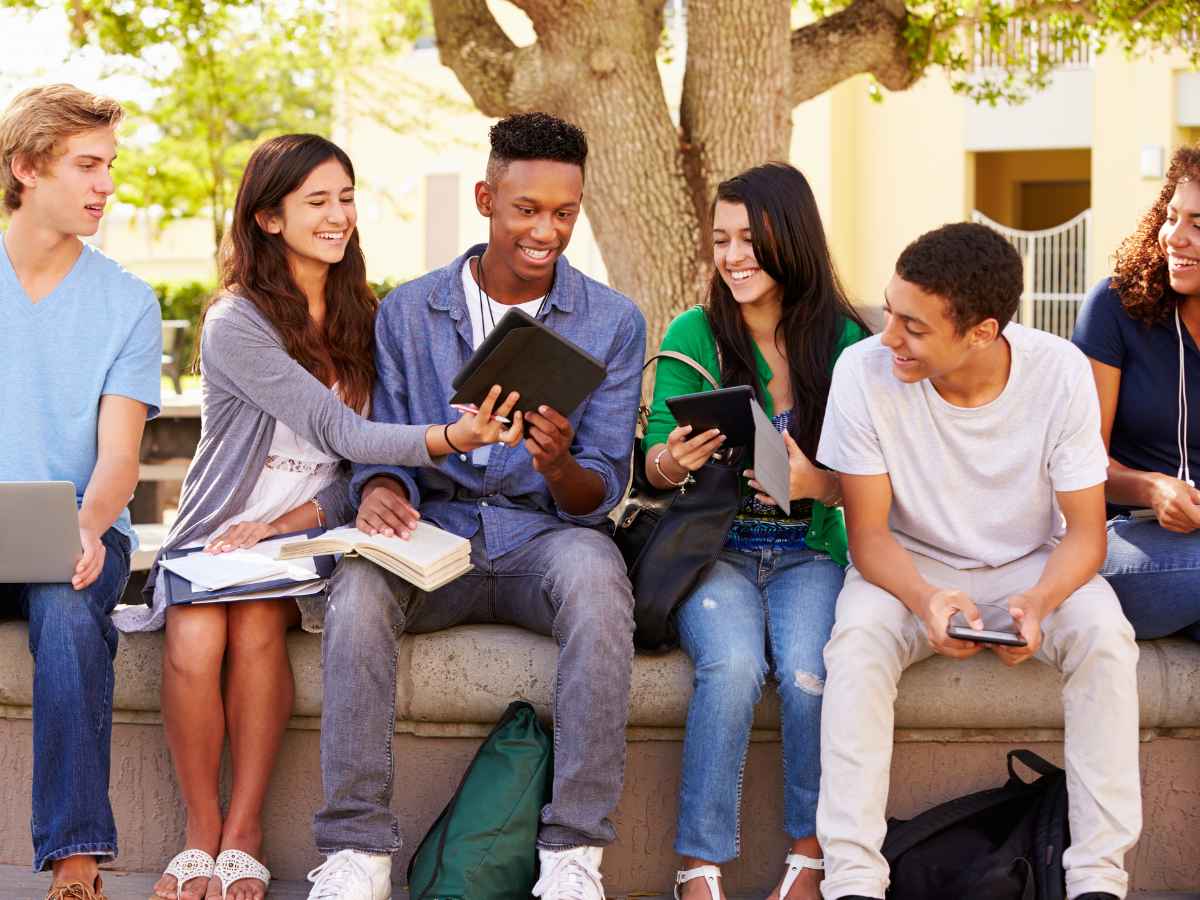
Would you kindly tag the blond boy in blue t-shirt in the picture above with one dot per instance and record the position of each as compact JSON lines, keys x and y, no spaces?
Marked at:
{"x":80,"y":357}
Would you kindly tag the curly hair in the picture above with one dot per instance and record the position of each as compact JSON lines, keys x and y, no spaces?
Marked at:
{"x":1140,"y":275}
{"x":972,"y":267}
{"x":535,"y":135}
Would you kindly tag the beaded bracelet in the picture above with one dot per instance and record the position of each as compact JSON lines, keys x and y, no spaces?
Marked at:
{"x":658,"y":467}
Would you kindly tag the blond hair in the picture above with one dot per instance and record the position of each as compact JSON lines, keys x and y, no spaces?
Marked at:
{"x":38,"y":121}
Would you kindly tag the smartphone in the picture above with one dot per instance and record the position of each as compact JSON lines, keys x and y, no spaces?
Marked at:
{"x":999,"y":627}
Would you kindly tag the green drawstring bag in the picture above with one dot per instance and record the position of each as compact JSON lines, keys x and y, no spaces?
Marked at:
{"x":484,"y":844}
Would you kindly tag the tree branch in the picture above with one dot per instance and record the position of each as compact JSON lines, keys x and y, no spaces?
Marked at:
{"x":486,"y":61}
{"x":867,"y":36}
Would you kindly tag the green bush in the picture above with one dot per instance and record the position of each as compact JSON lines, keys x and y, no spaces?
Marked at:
{"x":184,"y":300}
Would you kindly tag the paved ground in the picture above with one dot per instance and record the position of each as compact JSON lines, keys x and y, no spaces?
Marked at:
{"x":16,"y":883}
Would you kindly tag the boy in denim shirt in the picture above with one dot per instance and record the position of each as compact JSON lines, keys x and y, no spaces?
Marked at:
{"x":533,"y":513}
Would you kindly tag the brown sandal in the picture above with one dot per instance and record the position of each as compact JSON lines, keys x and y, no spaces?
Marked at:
{"x":77,"y":890}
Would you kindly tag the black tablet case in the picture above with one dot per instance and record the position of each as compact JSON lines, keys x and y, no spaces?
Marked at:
{"x":727,"y":409}
{"x":179,"y":589}
{"x":521,"y":354}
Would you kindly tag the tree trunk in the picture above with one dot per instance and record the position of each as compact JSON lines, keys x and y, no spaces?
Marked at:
{"x":649,"y":183}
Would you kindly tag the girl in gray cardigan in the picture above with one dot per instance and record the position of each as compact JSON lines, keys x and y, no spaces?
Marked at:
{"x":286,"y":360}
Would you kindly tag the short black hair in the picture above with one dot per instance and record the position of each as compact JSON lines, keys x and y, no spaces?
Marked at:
{"x":535,"y":135}
{"x":972,"y":267}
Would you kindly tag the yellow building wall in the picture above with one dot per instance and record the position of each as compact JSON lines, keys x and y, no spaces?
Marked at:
{"x":896,"y":169}
{"x":1135,"y":108}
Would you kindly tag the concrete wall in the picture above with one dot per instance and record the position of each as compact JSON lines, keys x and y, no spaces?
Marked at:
{"x":927,"y":771}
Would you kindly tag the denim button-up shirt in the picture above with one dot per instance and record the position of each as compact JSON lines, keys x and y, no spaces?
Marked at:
{"x":422,"y":340}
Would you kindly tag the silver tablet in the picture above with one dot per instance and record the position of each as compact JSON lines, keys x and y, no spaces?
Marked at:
{"x":39,"y":531}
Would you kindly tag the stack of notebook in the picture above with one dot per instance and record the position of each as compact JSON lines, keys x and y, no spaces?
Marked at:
{"x":193,"y":576}
{"x":429,"y":558}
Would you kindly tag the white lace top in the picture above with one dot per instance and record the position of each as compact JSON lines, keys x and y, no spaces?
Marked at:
{"x":294,"y":473}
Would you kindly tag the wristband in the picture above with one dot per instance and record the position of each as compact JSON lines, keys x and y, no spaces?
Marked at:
{"x":320,"y":512}
{"x":450,"y":443}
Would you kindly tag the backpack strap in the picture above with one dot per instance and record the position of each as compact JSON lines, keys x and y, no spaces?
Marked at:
{"x":903,"y":836}
{"x":1031,"y":761}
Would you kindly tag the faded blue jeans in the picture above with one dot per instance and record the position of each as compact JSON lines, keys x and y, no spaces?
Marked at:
{"x":1156,"y":576}
{"x":569,"y":584}
{"x":73,"y":642}
{"x":760,"y":613}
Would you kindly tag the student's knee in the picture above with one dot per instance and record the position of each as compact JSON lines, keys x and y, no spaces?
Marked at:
{"x":1090,"y":626}
{"x":859,"y":642}
{"x":363,"y":609}
{"x":195,"y":640}
{"x":69,"y":621}
{"x":258,"y":628}
{"x":591,"y":587}
{"x":735,"y":671}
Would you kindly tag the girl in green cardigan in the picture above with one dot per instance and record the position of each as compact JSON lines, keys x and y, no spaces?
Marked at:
{"x":776,"y":320}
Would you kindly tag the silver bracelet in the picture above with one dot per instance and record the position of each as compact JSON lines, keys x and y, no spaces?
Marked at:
{"x":320,"y":512}
{"x":663,"y":475}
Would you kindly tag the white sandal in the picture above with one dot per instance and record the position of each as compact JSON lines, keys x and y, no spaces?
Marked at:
{"x":796,"y":863}
{"x":234,"y":865}
{"x":188,"y":866}
{"x":710,"y":874}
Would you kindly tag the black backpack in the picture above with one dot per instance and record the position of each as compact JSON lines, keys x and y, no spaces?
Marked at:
{"x":1003,"y":844}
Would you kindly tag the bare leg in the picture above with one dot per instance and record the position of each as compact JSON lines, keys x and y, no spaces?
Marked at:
{"x":194,"y":721}
{"x":807,"y":883}
{"x":258,"y":703}
{"x":697,"y":888}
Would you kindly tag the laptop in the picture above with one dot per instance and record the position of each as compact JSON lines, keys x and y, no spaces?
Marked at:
{"x":39,"y":531}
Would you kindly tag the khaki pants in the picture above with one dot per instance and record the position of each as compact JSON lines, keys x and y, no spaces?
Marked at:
{"x":876,"y":637}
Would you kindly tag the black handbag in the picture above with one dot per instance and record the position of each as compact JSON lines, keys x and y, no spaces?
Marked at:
{"x":670,"y":538}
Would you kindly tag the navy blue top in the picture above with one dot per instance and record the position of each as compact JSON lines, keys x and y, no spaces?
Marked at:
{"x":422,"y":339}
{"x":1145,"y":426}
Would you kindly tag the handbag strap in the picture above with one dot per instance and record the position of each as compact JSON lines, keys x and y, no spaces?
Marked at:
{"x":686,"y":360}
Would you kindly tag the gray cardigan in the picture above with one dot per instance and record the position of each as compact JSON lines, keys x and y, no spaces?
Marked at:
{"x":248,"y":383}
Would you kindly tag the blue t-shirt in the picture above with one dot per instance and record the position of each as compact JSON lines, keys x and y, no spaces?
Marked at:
{"x":98,"y":332}
{"x":1146,"y":422}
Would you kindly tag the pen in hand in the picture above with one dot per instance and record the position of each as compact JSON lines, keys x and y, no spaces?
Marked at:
{"x":473,"y":410}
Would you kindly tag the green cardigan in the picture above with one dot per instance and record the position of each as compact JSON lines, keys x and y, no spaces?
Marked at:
{"x":690,"y":334}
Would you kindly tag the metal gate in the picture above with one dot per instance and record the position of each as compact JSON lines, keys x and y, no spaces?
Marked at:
{"x":1056,"y":271}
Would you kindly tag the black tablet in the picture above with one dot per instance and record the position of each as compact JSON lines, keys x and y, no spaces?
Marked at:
{"x":524,"y":355}
{"x":727,"y":409}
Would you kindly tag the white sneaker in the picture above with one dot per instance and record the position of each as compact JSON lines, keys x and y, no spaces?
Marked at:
{"x":352,"y":875}
{"x":570,"y":874}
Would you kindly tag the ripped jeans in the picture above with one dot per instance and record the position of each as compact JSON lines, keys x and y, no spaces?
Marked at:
{"x":760,"y":613}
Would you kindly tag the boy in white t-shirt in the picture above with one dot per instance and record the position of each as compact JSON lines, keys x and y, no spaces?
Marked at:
{"x":973,"y":474}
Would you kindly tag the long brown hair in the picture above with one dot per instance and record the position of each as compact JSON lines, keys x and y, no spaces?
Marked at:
{"x":254,"y":265}
{"x":790,"y":246}
{"x":1140,"y":276}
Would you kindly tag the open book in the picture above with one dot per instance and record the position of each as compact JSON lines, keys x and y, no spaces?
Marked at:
{"x":429,"y":559}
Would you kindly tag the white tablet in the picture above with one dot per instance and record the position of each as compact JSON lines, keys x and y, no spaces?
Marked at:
{"x":39,"y":531}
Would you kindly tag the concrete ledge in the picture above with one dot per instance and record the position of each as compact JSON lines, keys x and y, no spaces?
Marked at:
{"x":955,"y":720}
{"x":468,"y":675}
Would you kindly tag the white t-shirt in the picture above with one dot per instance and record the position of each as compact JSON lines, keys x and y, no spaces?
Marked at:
{"x":970,"y":487}
{"x":485,"y":313}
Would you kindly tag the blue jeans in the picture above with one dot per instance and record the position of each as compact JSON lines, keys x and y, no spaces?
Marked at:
{"x":1156,"y":576}
{"x":569,"y":584}
{"x":73,"y":643}
{"x":756,"y":614}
